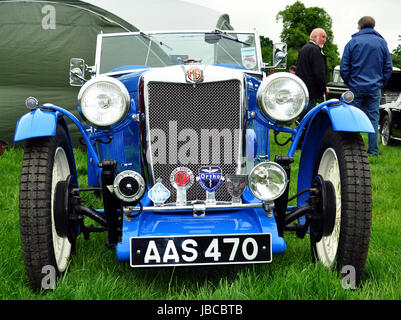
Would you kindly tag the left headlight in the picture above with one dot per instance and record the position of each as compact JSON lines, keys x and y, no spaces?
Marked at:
{"x":282,"y":96}
{"x":104,"y":101}
{"x":267,"y":181}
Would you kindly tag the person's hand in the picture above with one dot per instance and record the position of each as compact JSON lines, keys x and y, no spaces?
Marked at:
{"x":327,"y":91}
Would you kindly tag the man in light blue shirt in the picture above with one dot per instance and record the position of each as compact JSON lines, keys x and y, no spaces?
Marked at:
{"x":366,"y":67}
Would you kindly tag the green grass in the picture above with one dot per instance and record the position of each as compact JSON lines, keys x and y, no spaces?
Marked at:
{"x":95,"y":273}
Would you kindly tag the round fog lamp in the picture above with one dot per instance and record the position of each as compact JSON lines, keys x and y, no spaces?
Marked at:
{"x":267,"y":181}
{"x":129,"y":186}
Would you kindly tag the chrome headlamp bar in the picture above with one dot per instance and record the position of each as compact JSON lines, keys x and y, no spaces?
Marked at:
{"x":197,"y":209}
{"x":267,"y":181}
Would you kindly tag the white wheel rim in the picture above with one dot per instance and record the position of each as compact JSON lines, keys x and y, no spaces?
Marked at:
{"x":61,"y":245}
{"x":329,"y":169}
{"x":385,"y":134}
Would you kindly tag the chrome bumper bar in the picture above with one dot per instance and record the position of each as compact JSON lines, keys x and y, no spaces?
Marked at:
{"x":199,"y":209}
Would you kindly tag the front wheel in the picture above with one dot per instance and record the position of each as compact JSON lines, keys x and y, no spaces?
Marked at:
{"x":46,"y":161}
{"x":342,"y":160}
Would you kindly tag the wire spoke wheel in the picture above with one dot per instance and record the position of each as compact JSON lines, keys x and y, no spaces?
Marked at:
{"x":342,"y":160}
{"x":46,"y":161}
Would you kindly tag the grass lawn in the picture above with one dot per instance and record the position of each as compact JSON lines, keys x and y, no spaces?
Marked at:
{"x":95,"y":273}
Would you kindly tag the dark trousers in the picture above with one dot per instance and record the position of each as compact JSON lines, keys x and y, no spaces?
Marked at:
{"x":369,"y":103}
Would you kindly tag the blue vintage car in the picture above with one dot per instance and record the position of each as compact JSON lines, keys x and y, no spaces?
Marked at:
{"x":176,"y":127}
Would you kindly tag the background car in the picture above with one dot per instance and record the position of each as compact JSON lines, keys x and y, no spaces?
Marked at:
{"x":390,"y":91}
{"x":390,"y":121}
{"x":337,"y":86}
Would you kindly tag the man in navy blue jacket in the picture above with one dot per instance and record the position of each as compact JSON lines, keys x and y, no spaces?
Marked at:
{"x":366,"y":67}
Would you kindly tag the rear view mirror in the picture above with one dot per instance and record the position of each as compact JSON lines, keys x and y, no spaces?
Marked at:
{"x":280,"y":56}
{"x":77,"y":72}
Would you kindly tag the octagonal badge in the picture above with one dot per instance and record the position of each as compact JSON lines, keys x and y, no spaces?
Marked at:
{"x":195,"y":74}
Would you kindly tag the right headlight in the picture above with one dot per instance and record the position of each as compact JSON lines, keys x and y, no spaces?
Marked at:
{"x":282,"y":96}
{"x":104,"y":101}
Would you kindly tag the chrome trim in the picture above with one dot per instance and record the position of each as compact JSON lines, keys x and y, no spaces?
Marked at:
{"x":150,"y":32}
{"x":194,"y":206}
{"x":118,"y":34}
{"x":120,"y":73}
{"x":259,"y":53}
{"x":98,"y":53}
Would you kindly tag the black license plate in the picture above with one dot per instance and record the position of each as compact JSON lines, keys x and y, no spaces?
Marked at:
{"x":199,"y":249}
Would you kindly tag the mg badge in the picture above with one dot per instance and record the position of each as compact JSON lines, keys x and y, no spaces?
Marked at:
{"x":236,"y":184}
{"x":182,"y":179}
{"x":195,"y":74}
{"x":210,"y":179}
{"x":159,"y":193}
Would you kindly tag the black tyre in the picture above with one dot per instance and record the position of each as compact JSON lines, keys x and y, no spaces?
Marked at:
{"x":46,"y":161}
{"x":385,"y":131}
{"x":342,"y":160}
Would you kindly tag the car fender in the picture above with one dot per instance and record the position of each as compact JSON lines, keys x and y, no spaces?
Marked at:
{"x":37,"y":123}
{"x":342,"y":118}
{"x":348,"y":118}
{"x":42,"y":123}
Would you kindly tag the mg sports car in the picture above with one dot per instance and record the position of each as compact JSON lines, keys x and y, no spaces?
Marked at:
{"x":176,"y":127}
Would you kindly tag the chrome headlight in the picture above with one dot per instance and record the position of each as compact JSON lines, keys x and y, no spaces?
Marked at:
{"x":104,"y":101}
{"x":282,"y":96}
{"x":267,"y":181}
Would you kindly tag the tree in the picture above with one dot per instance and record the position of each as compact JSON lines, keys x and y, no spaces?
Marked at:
{"x":267,"y":49}
{"x":397,"y":51}
{"x":396,"y":55}
{"x":298,"y":23}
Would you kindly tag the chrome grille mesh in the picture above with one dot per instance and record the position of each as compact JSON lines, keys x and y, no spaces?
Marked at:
{"x":191,"y":118}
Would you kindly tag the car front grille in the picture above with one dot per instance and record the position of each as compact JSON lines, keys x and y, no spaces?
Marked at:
{"x":184,"y":121}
